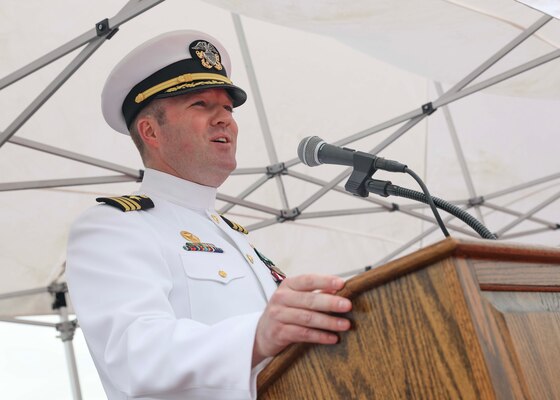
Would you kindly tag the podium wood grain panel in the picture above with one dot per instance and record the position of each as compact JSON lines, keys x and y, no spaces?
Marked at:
{"x":406,"y":342}
{"x":533,"y":321}
{"x":494,"y":337}
{"x":535,"y":338}
{"x":456,"y":320}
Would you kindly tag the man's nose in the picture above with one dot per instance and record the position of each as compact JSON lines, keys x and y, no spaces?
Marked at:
{"x":221,"y":116}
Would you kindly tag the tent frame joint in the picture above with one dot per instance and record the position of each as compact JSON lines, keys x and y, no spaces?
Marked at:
{"x":428,"y":108}
{"x":276,"y":169}
{"x":289,"y":215}
{"x":140,"y":175}
{"x":57,"y":287}
{"x":102,"y":28}
{"x":476,"y":201}
{"x":67,"y":330}
{"x":58,"y":290}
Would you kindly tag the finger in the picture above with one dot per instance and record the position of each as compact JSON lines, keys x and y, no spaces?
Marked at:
{"x":298,"y":334}
{"x":311,"y":319}
{"x":316,"y":301}
{"x":314,"y":282}
{"x":332,"y":291}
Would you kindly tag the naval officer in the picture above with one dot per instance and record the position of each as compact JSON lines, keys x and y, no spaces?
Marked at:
{"x":173,"y":301}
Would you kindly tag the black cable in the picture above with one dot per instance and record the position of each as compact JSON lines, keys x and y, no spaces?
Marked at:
{"x":446,"y":206}
{"x":386,"y":188}
{"x":429,"y":200}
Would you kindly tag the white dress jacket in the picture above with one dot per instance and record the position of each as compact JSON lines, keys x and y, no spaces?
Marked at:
{"x":161,"y":320}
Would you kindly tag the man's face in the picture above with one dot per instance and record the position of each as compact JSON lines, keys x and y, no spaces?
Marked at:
{"x":199,"y":137}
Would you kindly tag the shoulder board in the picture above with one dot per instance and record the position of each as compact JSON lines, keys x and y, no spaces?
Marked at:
{"x":128,"y":203}
{"x":235,"y":226}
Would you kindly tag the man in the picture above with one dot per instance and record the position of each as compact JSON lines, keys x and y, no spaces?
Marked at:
{"x":173,"y":301}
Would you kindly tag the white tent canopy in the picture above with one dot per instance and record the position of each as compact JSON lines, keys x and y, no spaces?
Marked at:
{"x":308,"y":85}
{"x":354,"y":73}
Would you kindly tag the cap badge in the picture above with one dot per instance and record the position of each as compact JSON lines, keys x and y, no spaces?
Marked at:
{"x":208,"y":55}
{"x":190,"y":237}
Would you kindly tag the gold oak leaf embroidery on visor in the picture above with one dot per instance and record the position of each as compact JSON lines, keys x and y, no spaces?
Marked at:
{"x":191,"y":85}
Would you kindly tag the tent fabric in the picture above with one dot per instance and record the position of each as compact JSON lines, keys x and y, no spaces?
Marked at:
{"x":344,"y":68}
{"x":439,"y":39}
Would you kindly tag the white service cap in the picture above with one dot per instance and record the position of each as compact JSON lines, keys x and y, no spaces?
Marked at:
{"x":168,"y":65}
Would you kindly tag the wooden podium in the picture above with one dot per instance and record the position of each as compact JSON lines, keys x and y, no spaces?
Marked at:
{"x":456,"y":320}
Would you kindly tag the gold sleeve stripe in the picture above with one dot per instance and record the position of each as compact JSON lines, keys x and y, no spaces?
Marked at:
{"x":122,"y":203}
{"x":134,"y":203}
{"x":128,"y":203}
{"x":176,"y":81}
{"x":122,"y":200}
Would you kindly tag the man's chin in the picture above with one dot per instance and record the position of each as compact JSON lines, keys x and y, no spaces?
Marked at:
{"x":221,"y":176}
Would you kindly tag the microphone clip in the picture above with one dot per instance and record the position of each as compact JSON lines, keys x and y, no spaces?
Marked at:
{"x":364,"y":168}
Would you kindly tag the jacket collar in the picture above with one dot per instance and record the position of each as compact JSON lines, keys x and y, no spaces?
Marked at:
{"x":177,"y":190}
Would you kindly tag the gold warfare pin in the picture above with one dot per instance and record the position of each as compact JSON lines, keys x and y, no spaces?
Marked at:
{"x":189,"y":237}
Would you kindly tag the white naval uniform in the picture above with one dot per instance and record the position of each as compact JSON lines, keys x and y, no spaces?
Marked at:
{"x":162,"y":322}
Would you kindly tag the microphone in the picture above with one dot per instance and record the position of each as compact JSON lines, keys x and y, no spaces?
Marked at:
{"x":313,"y":151}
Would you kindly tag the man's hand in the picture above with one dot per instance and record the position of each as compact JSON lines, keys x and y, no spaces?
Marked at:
{"x":298,"y":312}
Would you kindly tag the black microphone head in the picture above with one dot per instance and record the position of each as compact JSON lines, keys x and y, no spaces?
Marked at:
{"x":308,"y":150}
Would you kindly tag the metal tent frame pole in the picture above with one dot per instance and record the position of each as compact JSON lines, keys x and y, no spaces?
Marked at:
{"x":263,"y":120}
{"x":105,"y":29}
{"x":51,"y":89}
{"x":454,"y":93}
{"x":388,"y":207}
{"x":94,"y":38}
{"x":459,"y":152}
{"x":65,"y":327}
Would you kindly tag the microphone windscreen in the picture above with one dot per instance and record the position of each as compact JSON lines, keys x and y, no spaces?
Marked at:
{"x":308,"y":150}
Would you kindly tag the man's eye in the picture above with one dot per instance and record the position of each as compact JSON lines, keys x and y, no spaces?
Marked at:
{"x":199,"y":103}
{"x":229,"y":108}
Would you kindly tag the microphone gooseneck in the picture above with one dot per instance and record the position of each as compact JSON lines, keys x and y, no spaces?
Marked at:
{"x":314,"y":151}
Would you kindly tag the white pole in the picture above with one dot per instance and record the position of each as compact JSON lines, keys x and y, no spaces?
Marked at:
{"x":67,"y":329}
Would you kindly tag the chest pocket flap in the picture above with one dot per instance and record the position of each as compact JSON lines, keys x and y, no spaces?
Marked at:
{"x":211,"y":267}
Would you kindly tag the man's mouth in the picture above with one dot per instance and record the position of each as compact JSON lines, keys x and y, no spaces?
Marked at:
{"x":221,"y":140}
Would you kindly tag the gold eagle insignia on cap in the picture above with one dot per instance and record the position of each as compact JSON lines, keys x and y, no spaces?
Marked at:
{"x":128,"y":203}
{"x":208,"y":55}
{"x":235,"y":226}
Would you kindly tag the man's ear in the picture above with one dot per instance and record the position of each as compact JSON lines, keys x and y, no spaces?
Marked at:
{"x":149,"y":131}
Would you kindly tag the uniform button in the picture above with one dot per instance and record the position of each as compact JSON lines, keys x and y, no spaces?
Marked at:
{"x":215,"y":218}
{"x":222,"y":273}
{"x":250,"y":258}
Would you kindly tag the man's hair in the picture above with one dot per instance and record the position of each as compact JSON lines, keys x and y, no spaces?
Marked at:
{"x":154,"y":109}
